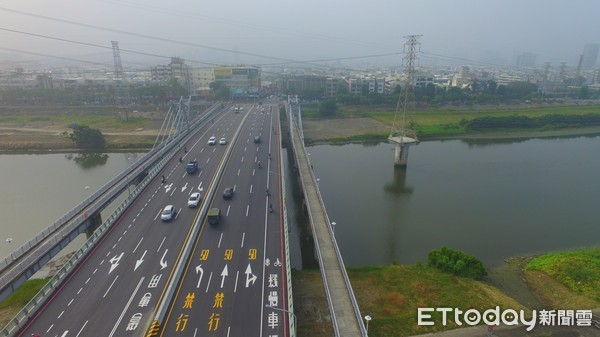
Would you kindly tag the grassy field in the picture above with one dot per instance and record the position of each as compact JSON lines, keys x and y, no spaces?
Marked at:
{"x":446,"y":122}
{"x":391,"y":296}
{"x":578,"y":271}
{"x":16,"y":301}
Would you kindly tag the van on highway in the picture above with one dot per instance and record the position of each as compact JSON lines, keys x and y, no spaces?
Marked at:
{"x":213,"y":216}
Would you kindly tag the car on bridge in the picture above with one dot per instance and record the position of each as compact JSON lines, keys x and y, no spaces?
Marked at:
{"x":228,"y":193}
{"x":192,"y":167}
{"x":212,"y":140}
{"x":194,"y":200}
{"x":213,"y":216}
{"x":168,"y":213}
{"x":223,"y":141}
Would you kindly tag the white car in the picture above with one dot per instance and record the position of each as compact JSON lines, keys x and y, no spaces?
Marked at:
{"x":212,"y":140}
{"x":223,"y":141}
{"x":194,"y":200}
{"x":168,"y":213}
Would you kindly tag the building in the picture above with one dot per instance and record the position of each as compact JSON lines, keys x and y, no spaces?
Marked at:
{"x":525,"y":60}
{"x":589,"y":56}
{"x":244,"y":82}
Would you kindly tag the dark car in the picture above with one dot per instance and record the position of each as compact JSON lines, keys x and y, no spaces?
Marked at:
{"x":257,"y":140}
{"x":228,"y":193}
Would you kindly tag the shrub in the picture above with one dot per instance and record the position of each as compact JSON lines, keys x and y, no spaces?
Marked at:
{"x":457,"y":263}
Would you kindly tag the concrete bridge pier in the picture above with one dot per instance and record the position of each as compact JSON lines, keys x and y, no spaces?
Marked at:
{"x":401,"y":153}
{"x":401,"y":156}
{"x":92,"y":223}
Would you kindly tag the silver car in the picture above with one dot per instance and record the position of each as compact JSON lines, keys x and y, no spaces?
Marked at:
{"x":168,"y":213}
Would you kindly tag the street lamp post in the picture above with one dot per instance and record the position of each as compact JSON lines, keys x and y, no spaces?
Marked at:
{"x":333,"y":227}
{"x":287,"y":311}
{"x":367,"y":318}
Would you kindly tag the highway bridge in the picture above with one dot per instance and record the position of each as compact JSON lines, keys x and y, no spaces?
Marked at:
{"x":141,"y":276}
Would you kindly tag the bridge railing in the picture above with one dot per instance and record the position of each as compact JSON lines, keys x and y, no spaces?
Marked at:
{"x":334,"y":241}
{"x":42,"y":236}
{"x":24,"y":315}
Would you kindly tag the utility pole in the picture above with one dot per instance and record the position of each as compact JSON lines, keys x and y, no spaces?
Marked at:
{"x":119,"y":80}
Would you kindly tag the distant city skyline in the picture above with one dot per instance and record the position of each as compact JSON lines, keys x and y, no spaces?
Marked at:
{"x":272,"y":33}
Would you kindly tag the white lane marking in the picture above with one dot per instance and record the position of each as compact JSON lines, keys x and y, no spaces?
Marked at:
{"x":224,"y":274}
{"x":64,"y":333}
{"x":209,"y":279}
{"x":251,"y":187}
{"x":247,"y":209}
{"x":71,"y":301}
{"x":245,"y":147}
{"x":157,"y":214}
{"x":200,"y":186}
{"x":242,"y":159}
{"x":161,"y":243}
{"x":114,"y":246}
{"x":107,"y":290}
{"x":88,"y":280}
{"x":253,"y":173}
{"x":238,"y":172}
{"x":80,"y":330}
{"x":243,"y":238}
{"x":50,"y":328}
{"x":101,"y":262}
{"x":126,"y":307}
{"x":221,"y":238}
{"x":228,"y":208}
{"x":237,"y":274}
{"x":228,"y":330}
{"x":59,"y":316}
{"x":78,"y":292}
{"x":171,"y":195}
{"x":125,"y":232}
{"x":163,"y":263}
{"x":208,"y":160}
{"x":95,"y":270}
{"x":195,"y":331}
{"x":138,"y":244}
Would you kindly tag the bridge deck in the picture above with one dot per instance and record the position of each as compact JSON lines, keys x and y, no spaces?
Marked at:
{"x":334,"y":275}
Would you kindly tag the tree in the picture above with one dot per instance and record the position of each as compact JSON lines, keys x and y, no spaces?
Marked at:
{"x":221,"y":90}
{"x":328,"y":108}
{"x":87,"y":138}
{"x":457,"y":263}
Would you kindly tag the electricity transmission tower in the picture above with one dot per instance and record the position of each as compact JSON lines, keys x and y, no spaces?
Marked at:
{"x":120,"y":85}
{"x":405,"y":134}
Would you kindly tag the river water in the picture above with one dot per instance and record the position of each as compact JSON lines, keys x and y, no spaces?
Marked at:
{"x":491,"y":199}
{"x":36,"y":189}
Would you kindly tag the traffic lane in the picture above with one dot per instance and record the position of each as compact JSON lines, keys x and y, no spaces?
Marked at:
{"x":105,"y":264}
{"x":211,"y":243}
{"x":276,"y":321}
{"x":89,"y":294}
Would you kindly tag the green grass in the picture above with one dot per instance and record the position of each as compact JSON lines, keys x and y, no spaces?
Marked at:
{"x":577,"y":270}
{"x":391,"y":295}
{"x":24,"y":293}
{"x":96,"y":121}
{"x":446,"y":122}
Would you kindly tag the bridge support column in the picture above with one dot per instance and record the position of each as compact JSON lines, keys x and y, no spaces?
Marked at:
{"x":93,"y":222}
{"x":401,"y":156}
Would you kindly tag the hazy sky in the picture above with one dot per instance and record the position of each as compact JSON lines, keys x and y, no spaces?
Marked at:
{"x":276,"y":31}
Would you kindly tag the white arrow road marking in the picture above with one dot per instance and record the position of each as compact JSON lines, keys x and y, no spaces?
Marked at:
{"x":163,"y":263}
{"x":201,"y":271}
{"x":168,"y":187}
{"x":114,"y":262}
{"x":249,"y":279}
{"x":65,"y":333}
{"x":139,"y":262}
{"x":224,"y":274}
{"x":184,"y":187}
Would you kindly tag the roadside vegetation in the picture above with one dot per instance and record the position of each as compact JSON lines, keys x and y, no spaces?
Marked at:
{"x":17,"y":300}
{"x":392,"y":294}
{"x":450,"y":121}
{"x":574,"y":277}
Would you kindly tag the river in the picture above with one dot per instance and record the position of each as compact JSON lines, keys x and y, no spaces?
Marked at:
{"x":37,"y":189}
{"x":491,"y":199}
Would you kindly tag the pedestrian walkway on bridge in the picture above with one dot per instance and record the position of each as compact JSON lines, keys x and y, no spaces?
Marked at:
{"x":346,"y":317}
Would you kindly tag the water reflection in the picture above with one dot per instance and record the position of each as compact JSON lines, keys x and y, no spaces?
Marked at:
{"x":88,"y":160}
{"x":490,"y":199}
